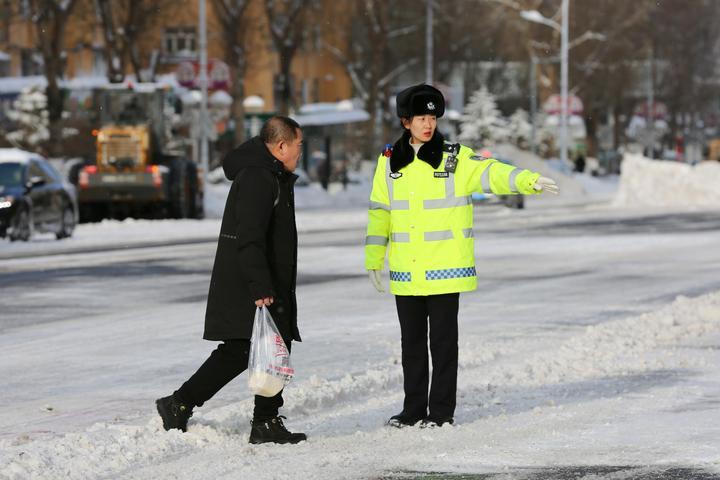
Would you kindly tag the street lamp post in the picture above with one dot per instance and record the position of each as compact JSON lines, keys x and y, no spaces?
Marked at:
{"x":537,"y":17}
{"x":429,"y":44}
{"x":564,"y":83}
{"x":204,"y":153}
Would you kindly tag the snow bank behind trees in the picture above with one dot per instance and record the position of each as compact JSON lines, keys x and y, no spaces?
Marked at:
{"x":656,"y":183}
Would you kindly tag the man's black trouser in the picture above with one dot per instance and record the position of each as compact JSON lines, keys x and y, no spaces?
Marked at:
{"x":413,"y":312}
{"x":225,"y":363}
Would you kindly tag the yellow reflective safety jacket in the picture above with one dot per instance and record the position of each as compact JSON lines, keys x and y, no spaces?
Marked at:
{"x":421,"y":214}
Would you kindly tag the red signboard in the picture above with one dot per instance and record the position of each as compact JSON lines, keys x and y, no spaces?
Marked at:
{"x":553,"y":105}
{"x":219,"y":78}
{"x":658,"y":110}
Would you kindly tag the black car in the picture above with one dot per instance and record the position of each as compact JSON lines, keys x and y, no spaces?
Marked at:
{"x":33,"y":197}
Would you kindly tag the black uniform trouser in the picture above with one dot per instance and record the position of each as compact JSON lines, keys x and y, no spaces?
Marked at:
{"x":225,"y":363}
{"x":413,"y":312}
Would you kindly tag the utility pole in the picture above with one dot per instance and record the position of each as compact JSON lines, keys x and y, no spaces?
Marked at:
{"x":650,"y":118}
{"x":564,"y":83}
{"x":533,"y":104}
{"x":204,"y":154}
{"x":429,"y":43}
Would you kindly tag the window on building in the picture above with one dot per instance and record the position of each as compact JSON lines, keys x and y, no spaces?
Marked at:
{"x":317,"y":39}
{"x":30,"y":63}
{"x":316,"y":90}
{"x":5,"y":16}
{"x":4,"y":66}
{"x":99,"y":63}
{"x":278,"y":88}
{"x":311,"y":40}
{"x":180,"y":41}
{"x":305,"y":91}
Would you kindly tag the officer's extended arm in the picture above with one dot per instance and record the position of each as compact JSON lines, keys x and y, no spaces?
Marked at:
{"x":492,"y":176}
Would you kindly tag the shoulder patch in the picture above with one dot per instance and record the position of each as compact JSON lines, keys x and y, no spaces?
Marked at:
{"x":387,"y":151}
{"x":449,"y":147}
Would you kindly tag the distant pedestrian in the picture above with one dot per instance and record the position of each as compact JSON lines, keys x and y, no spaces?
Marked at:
{"x":255,"y":265}
{"x":421,"y":214}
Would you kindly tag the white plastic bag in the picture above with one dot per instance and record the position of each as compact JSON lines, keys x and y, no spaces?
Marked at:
{"x":269,"y":366}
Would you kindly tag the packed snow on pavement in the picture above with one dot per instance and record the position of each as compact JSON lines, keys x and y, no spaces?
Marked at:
{"x":559,"y":366}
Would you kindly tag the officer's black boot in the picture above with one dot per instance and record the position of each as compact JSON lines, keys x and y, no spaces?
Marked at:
{"x":273,"y":431}
{"x":402,"y":420}
{"x":431,"y":422}
{"x":174,"y":413}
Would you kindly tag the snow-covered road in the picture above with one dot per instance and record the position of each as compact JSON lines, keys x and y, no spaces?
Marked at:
{"x":574,"y":352}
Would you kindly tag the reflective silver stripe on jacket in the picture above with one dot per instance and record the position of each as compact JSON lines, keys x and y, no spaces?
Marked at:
{"x":468,"y":233}
{"x":439,"y":235}
{"x":379,"y":206}
{"x":394,"y":204}
{"x":398,"y":237}
{"x":447,"y":202}
{"x":511,"y":180}
{"x":485,"y":180}
{"x":376,"y":240}
{"x":450,"y":199}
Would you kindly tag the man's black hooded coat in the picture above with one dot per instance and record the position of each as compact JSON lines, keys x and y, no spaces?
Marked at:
{"x":257,"y":250}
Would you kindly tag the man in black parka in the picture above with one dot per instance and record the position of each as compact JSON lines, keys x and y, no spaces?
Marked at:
{"x":255,"y":265}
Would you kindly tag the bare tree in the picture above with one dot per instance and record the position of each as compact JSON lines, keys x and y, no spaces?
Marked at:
{"x":123,"y":23}
{"x":602,"y":72}
{"x":50,"y":18}
{"x":685,"y":38}
{"x":377,"y":44}
{"x":236,"y":25}
{"x":286,"y":29}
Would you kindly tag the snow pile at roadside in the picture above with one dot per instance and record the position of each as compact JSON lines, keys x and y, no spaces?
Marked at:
{"x":658,"y":183}
{"x":346,"y":439}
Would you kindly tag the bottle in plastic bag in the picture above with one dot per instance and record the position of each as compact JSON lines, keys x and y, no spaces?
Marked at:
{"x":269,"y":366}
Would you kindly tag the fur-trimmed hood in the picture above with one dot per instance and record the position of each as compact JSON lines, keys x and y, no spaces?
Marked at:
{"x":403,"y":154}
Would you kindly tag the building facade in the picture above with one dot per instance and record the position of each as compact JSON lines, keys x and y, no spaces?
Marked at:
{"x":170,"y":42}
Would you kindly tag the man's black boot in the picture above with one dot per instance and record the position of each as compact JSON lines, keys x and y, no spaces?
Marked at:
{"x":174,"y":413}
{"x":402,"y":420}
{"x":273,"y":431}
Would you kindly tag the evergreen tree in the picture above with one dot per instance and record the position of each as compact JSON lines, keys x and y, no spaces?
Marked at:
{"x":31,"y":118}
{"x":482,"y":124}
{"x":519,"y":129}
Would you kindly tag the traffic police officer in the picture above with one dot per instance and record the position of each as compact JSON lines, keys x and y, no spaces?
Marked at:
{"x":421,"y":215}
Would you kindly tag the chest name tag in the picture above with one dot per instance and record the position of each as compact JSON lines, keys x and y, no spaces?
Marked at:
{"x":395,"y":175}
{"x":441,"y":174}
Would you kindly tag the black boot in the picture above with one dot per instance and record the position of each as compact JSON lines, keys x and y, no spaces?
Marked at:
{"x":431,"y":422}
{"x":273,"y":431}
{"x":402,"y":420}
{"x":174,"y":413}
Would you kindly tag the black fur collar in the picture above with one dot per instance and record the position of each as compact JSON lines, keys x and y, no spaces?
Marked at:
{"x":403,"y":154}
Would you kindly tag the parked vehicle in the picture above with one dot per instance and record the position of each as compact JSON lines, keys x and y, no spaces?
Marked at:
{"x":34,"y":197}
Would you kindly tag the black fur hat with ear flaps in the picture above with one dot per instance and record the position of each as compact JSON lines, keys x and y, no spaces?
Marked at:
{"x":420,"y":99}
